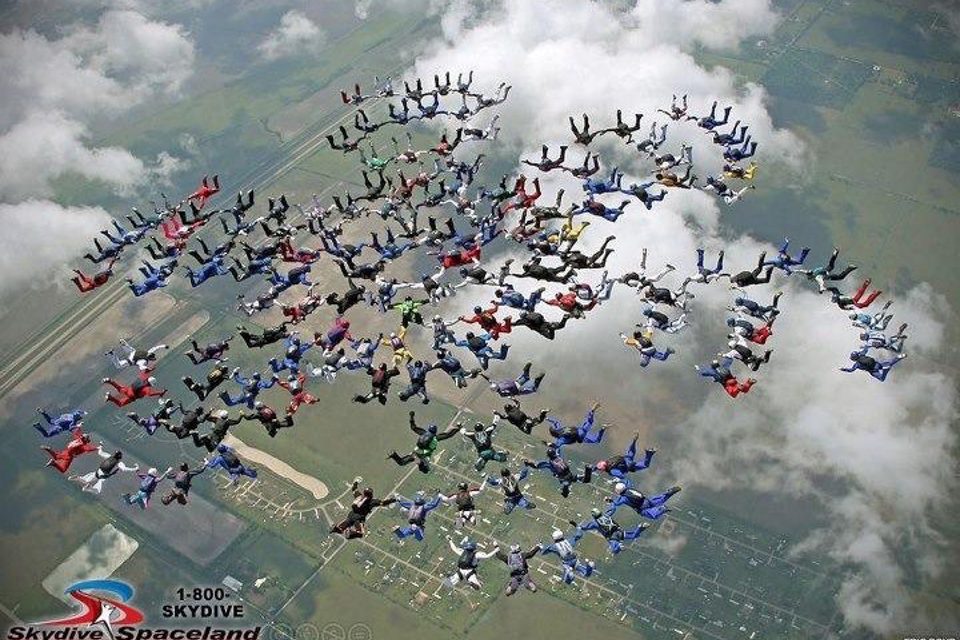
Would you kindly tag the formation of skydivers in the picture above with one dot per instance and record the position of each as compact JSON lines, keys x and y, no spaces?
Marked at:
{"x":510,"y":210}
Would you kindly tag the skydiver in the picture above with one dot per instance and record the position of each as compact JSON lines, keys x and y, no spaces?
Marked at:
{"x":669,"y":179}
{"x":677,"y":112}
{"x":564,"y":549}
{"x":873,"y":322}
{"x":215,"y":377}
{"x":756,"y":310}
{"x":182,"y":482}
{"x":622,"y":465}
{"x":142,"y":387}
{"x":85,"y":283}
{"x":364,"y":503}
{"x":450,"y":365}
{"x":610,"y":529}
{"x":652,"y":142}
{"x":250,"y":388}
{"x":143,"y":359}
{"x":652,"y":507}
{"x":221,"y":421}
{"x":111,"y":465}
{"x":641,"y":341}
{"x":104,"y":253}
{"x":822,"y":274}
{"x":513,"y":414}
{"x":880,"y":340}
{"x":640,"y":192}
{"x":159,"y":418}
{"x":745,"y":279}
{"x":662,"y":322}
{"x":205,"y":191}
{"x":710,"y":122}
{"x":268,"y":418}
{"x":153,"y":277}
{"x":879,"y":369}
{"x":740,"y":351}
{"x":639,"y":279}
{"x":228,"y":460}
{"x":78,"y":445}
{"x":581,"y":434}
{"x":522,"y":385}
{"x":59,"y":424}
{"x":561,"y":470}
{"x":462,"y":499}
{"x":545,"y":164}
{"x":736,"y":154}
{"x":516,"y":561}
{"x":149,"y":482}
{"x":427,"y":441}
{"x":583,"y":135}
{"x":719,"y":372}
{"x":479,"y":347}
{"x":468,"y":559}
{"x":533,"y":269}
{"x":418,"y":382}
{"x":732,"y":138}
{"x":860,"y":299}
{"x":379,"y":384}
{"x":417,"y":511}
{"x":352,"y":296}
{"x":784,"y":261}
{"x":537,"y":323}
{"x":190,"y":421}
{"x":747,"y":330}
{"x":269,"y":336}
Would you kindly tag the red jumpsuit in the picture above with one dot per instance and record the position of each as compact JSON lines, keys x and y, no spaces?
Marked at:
{"x":139,"y":389}
{"x":298,"y":394}
{"x":571,"y":304}
{"x":303,"y":256}
{"x":859,"y":301}
{"x":201,"y":195}
{"x":79,"y":445}
{"x":734,"y":387}
{"x":524,"y":200}
{"x":760,"y":334}
{"x":460,"y":258}
{"x":489,"y":323}
{"x":87,"y":283}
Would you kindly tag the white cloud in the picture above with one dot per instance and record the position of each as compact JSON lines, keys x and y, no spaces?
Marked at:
{"x":46,"y":145}
{"x":54,"y":91}
{"x":39,"y":234}
{"x":296,"y":35}
{"x":886,"y":450}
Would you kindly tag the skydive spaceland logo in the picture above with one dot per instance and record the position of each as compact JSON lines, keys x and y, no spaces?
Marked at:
{"x":105,"y":615}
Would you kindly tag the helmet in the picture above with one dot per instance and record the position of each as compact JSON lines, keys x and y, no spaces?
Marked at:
{"x":595,"y":512}
{"x":602,"y":465}
{"x":432,"y":429}
{"x":478,"y":309}
{"x":419,"y":499}
{"x":620,"y":487}
{"x":152,"y":471}
{"x":505,"y":472}
{"x":258,"y":404}
{"x":151,"y":380}
{"x":468,"y":545}
{"x":731,"y":322}
{"x":463,"y":486}
{"x":514,"y":548}
{"x":478,"y":426}
{"x":222,"y":413}
{"x":557,"y":535}
{"x":853,"y":315}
